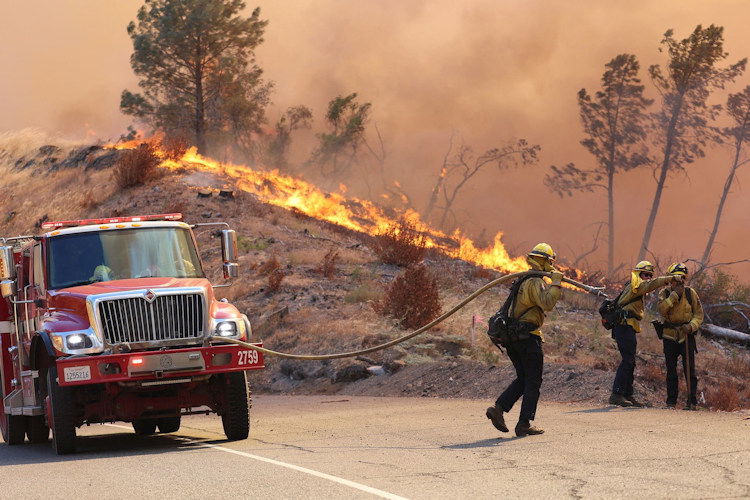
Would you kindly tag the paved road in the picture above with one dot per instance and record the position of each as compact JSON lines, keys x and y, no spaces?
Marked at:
{"x":356,"y":447}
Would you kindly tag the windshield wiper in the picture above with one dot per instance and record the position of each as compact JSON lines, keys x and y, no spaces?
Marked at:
{"x":77,"y":283}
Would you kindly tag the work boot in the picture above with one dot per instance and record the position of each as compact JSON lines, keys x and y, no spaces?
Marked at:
{"x":619,"y":400}
{"x":495,"y":415}
{"x":634,"y":402}
{"x":526,"y":429}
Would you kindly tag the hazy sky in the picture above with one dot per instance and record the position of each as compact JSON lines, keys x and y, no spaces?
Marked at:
{"x":489,"y":70}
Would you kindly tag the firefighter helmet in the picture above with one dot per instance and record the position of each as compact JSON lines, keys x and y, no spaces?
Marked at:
{"x":644,"y":266}
{"x":543,"y":250}
{"x":678,"y":268}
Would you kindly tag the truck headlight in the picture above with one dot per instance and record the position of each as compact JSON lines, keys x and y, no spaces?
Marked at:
{"x":226,"y":329}
{"x":78,"y":341}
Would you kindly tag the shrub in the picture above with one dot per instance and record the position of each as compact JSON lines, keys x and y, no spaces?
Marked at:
{"x":274,"y":280}
{"x":327,"y":266}
{"x":136,"y":166}
{"x":175,"y":146}
{"x":723,"y":396}
{"x":401,"y":244}
{"x":412,"y":298}
{"x":269,"y":267}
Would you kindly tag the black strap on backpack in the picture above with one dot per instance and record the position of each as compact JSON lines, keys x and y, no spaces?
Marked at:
{"x":613,"y":312}
{"x":503,"y":328}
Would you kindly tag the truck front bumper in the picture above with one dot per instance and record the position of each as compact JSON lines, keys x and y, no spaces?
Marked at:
{"x":157,"y":367}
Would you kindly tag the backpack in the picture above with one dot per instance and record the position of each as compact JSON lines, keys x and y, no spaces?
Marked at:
{"x":612,"y":312}
{"x":504,"y":329}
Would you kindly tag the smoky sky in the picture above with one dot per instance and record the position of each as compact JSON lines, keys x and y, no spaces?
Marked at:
{"x":486,"y":71}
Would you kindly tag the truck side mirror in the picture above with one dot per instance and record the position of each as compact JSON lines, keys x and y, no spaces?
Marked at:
{"x":7,"y":272}
{"x":231,"y":270}
{"x":229,"y":253}
{"x":228,"y":245}
{"x":7,"y":264}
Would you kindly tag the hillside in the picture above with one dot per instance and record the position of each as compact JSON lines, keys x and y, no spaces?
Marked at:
{"x":314,"y":313}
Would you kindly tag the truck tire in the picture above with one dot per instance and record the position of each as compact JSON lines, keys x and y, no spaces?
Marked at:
{"x":13,"y":429}
{"x":63,"y":414}
{"x":235,"y":417}
{"x":169,"y":424}
{"x":37,"y":430}
{"x":144,"y":426}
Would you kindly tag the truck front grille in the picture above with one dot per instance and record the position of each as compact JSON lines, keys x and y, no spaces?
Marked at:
{"x":167,"y":317}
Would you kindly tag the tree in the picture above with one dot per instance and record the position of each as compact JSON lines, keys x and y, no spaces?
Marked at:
{"x":684,"y":122}
{"x":738,"y":109}
{"x":465,"y":164}
{"x":338,"y":147}
{"x":195,"y":60}
{"x":615,"y":121}
{"x":296,"y":117}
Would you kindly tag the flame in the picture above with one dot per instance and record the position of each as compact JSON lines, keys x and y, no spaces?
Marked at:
{"x":352,"y":213}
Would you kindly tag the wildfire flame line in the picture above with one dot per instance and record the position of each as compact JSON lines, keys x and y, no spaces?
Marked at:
{"x":351,"y":213}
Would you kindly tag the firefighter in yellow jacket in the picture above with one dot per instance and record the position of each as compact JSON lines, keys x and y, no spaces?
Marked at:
{"x":682,"y":314}
{"x":534,"y":299}
{"x":641,"y":283}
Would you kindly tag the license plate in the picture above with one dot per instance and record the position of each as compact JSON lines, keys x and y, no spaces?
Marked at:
{"x":77,"y":373}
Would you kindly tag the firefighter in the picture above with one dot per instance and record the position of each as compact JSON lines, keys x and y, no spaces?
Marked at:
{"x":534,"y":299}
{"x":682,"y":312}
{"x":641,"y":283}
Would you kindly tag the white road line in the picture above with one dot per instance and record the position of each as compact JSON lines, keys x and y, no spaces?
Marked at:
{"x":322,"y":475}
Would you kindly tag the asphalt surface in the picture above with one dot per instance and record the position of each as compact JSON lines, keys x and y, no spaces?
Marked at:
{"x":361,"y":447}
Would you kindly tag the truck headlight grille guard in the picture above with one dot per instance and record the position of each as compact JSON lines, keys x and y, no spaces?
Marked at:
{"x":152,"y":316}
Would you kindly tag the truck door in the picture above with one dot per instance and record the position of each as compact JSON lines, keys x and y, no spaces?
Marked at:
{"x":35,"y":291}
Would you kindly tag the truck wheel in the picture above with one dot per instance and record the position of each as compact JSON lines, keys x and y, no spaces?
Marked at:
{"x":37,"y":429}
{"x":62,"y":418}
{"x":169,"y":424}
{"x":13,"y":429}
{"x":144,"y":426}
{"x":235,"y":417}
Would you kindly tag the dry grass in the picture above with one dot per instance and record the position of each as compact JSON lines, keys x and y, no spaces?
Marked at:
{"x":366,"y":292}
{"x":401,"y":245}
{"x":136,"y":166}
{"x":412,"y":298}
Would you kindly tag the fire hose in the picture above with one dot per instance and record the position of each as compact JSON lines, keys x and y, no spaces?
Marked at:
{"x":503,"y":279}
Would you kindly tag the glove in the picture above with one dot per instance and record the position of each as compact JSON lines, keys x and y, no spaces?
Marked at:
{"x":685,"y":329}
{"x":557,"y":277}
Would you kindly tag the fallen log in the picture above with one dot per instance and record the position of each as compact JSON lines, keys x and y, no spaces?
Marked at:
{"x":725,"y":333}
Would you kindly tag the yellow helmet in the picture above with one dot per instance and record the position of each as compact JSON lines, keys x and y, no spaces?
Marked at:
{"x":644,"y":266}
{"x":543,"y":250}
{"x":678,"y":268}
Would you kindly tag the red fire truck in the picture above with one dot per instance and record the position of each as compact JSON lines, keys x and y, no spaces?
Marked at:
{"x":107,"y":320}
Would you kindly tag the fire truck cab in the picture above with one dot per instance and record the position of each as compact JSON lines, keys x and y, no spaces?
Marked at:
{"x":105,"y":320}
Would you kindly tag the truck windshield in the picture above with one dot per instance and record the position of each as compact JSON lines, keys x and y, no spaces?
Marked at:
{"x":84,"y":258}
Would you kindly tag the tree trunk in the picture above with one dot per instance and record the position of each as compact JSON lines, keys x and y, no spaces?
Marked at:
{"x":200,"y":113}
{"x":434,"y":194}
{"x":722,"y":201}
{"x":671,"y":130}
{"x":725,"y":333}
{"x":611,"y":221}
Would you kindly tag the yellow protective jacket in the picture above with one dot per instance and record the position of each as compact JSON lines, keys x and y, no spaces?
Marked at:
{"x":677,"y":309}
{"x":537,"y":295}
{"x":635,"y":309}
